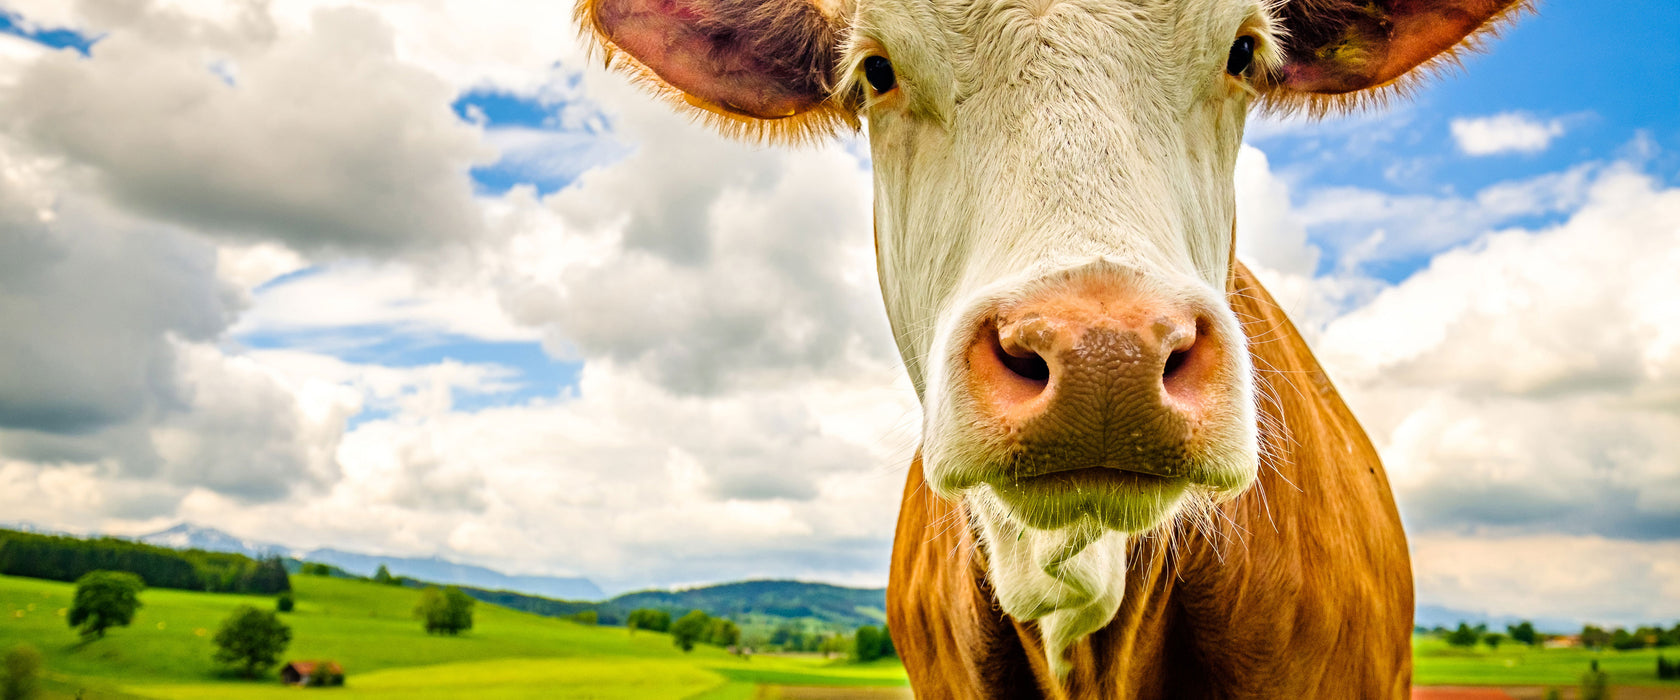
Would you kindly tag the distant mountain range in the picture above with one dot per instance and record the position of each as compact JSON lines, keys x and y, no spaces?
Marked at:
{"x":1442,"y":616}
{"x":432,"y":569}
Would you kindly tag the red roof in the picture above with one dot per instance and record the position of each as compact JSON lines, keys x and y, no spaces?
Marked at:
{"x":1459,"y":694}
{"x":304,"y":668}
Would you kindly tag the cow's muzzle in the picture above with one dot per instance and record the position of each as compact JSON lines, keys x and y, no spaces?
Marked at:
{"x":1098,"y":375}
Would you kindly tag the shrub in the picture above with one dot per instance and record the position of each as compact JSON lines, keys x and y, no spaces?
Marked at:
{"x":252,"y":640}
{"x":1595,"y":684}
{"x":22,"y":673}
{"x":449,"y":611}
{"x":105,"y":599}
{"x":1553,"y":694}
{"x":587,"y":617}
{"x":284,"y":603}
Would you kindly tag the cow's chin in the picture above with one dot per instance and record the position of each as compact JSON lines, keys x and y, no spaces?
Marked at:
{"x":1056,"y":543}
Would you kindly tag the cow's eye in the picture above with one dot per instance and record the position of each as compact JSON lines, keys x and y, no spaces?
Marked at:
{"x":1242,"y":55}
{"x":879,"y":72}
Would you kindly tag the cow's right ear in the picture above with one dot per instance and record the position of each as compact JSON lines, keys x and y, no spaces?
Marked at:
{"x":759,"y":68}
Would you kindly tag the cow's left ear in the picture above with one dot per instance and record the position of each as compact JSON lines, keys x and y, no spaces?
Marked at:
{"x":758,"y":68}
{"x":1349,"y":47}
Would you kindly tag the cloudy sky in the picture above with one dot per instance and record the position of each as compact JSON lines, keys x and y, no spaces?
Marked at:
{"x":411,"y":277}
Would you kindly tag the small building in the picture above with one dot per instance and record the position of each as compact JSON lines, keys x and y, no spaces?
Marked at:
{"x":1562,"y":641}
{"x":312,"y":673}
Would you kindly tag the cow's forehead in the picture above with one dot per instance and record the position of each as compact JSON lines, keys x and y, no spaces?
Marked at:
{"x":989,"y":26}
{"x":967,"y":46}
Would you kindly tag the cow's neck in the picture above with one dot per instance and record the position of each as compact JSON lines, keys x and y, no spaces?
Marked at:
{"x":1312,"y":557}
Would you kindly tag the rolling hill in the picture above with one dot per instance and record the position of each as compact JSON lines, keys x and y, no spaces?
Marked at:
{"x":371,"y":631}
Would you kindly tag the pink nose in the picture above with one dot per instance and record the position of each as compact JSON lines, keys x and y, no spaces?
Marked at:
{"x":1096,"y":375}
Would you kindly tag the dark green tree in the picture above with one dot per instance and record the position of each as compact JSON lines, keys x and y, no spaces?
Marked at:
{"x":22,"y":673}
{"x":587,"y":617}
{"x":1464,"y":636}
{"x":383,"y":575}
{"x":105,"y":599}
{"x":448,"y":611}
{"x":251,"y":640}
{"x":867,"y":643}
{"x":689,"y":629}
{"x":285,"y":602}
{"x":723,"y":633}
{"x":1523,"y":633}
{"x":1493,"y":640}
{"x":1594,"y":637}
{"x":648,"y":619}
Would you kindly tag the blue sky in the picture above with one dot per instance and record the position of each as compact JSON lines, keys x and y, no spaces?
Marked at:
{"x":430,"y":284}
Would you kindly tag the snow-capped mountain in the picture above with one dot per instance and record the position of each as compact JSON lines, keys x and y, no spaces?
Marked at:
{"x":433,"y":569}
{"x":190,"y":536}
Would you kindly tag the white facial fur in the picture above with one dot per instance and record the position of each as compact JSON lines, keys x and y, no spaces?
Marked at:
{"x":1031,"y":138}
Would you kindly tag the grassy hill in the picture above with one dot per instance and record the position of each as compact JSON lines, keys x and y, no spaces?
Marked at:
{"x":756,"y":605}
{"x":371,"y":631}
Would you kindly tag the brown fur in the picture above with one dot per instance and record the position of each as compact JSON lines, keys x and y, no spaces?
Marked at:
{"x":1342,"y":55}
{"x":1301,"y":589}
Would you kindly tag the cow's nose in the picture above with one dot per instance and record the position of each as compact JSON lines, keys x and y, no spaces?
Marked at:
{"x":1093,"y":368}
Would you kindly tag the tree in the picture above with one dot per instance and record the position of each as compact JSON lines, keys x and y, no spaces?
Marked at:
{"x":105,"y":599}
{"x":269,"y":576}
{"x":587,"y":617}
{"x":1464,"y":636}
{"x":383,"y":575}
{"x":648,"y":619}
{"x":868,"y":643}
{"x":310,"y":568}
{"x":22,"y":673}
{"x":285,"y":602}
{"x":1492,"y":639}
{"x":1594,"y":637}
{"x":1523,"y":633}
{"x":448,"y":611}
{"x":251,"y":639}
{"x":723,"y":633}
{"x":1621,"y":640}
{"x":689,"y":629}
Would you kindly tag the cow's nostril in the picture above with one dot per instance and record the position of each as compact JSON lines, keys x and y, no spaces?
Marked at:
{"x":1185,"y":371}
{"x":1028,"y":365}
{"x":1175,"y":362}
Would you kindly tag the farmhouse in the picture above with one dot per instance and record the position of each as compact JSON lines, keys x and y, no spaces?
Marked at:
{"x":307,"y":673}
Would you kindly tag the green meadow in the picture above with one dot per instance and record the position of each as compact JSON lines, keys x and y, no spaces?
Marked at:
{"x":1437,"y":663}
{"x":370,"y":630}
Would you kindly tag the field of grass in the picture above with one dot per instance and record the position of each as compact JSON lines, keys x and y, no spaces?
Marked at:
{"x":1437,"y":663}
{"x":371,"y":631}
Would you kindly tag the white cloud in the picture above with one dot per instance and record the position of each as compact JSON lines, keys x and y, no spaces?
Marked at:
{"x":1511,"y":132}
{"x":1528,"y":382}
{"x":1599,"y":580}
{"x":326,"y":140}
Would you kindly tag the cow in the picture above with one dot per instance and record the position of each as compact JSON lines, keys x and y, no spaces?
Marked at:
{"x":1134,"y":480}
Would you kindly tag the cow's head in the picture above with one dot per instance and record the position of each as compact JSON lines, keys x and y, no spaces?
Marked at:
{"x":1053,"y":218}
